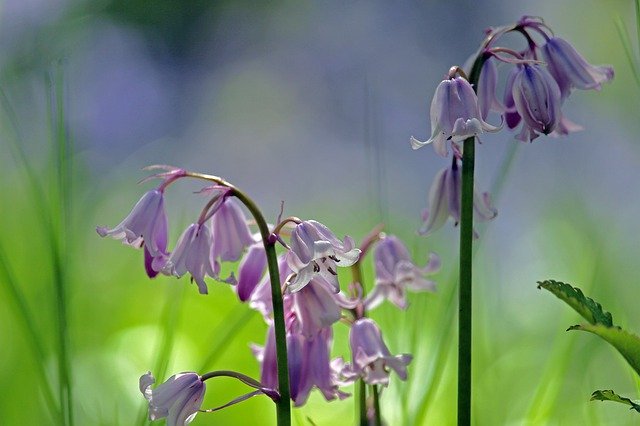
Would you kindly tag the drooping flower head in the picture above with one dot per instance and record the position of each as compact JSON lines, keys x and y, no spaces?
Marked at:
{"x":309,"y":365}
{"x":536,"y":99}
{"x":178,"y":399}
{"x":316,"y":306}
{"x":455,"y":115}
{"x":570,"y":69}
{"x":445,"y":198}
{"x":316,"y":250}
{"x":194,"y":254}
{"x":230,"y":231}
{"x":145,"y":226}
{"x":371,"y":359}
{"x":395,"y":273}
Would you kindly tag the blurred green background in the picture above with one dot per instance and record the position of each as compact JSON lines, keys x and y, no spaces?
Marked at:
{"x":312,"y":104}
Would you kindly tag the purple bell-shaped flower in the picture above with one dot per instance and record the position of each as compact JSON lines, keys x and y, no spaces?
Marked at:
{"x":455,"y":115}
{"x":178,"y":399}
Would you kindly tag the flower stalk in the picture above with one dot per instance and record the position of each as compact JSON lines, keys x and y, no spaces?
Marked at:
{"x":466,"y":257}
{"x":363,"y":420}
{"x":360,"y":312}
{"x":376,"y":405}
{"x":283,"y":404}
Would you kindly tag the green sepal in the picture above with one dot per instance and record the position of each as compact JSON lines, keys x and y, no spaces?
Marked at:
{"x":588,"y":308}
{"x":609,"y":395}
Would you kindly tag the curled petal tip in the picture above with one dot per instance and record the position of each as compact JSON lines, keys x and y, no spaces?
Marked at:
{"x":416,"y":144}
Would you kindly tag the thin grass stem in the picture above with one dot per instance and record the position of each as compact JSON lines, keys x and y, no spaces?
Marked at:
{"x":58,"y":242}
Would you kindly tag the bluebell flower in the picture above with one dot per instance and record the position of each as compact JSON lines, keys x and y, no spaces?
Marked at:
{"x":455,"y":116}
{"x":178,"y":399}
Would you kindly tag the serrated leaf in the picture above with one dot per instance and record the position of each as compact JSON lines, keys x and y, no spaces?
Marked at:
{"x":609,"y":395}
{"x":588,"y":308}
{"x":628,"y":344}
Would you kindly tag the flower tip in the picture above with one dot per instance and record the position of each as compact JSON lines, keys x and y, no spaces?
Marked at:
{"x":146,"y":380}
{"x":102,"y":231}
{"x":416,"y":144}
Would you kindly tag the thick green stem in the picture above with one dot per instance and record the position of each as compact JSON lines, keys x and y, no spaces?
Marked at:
{"x":283,"y":405}
{"x":362,"y":403}
{"x":376,"y":406}
{"x":465,"y":301}
{"x":466,"y":260}
{"x":356,"y":276}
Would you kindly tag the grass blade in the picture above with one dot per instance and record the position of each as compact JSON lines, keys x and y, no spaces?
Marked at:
{"x":59,"y":239}
{"x":40,"y":201}
{"x":628,"y":49}
{"x":33,"y":339}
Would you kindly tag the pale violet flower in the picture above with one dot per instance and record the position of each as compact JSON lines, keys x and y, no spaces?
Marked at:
{"x":315,"y":250}
{"x":178,"y":399}
{"x":396,"y":273}
{"x":194,"y":254}
{"x":309,"y":365}
{"x":371,"y":359}
{"x":231,"y":234}
{"x":535,"y":98}
{"x":570,"y":70}
{"x":260,"y":298}
{"x":487,"y":100}
{"x":445,"y":197}
{"x":455,"y":115}
{"x":250,"y":271}
{"x":146,"y":225}
{"x":316,"y":306}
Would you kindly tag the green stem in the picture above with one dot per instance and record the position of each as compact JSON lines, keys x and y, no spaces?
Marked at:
{"x":362,"y":403}
{"x":356,"y":274}
{"x":283,"y":405}
{"x":466,"y":260}
{"x":465,"y":302}
{"x":356,"y":277}
{"x":376,"y":405}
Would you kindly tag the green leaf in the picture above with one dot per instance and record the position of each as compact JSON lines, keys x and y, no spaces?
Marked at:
{"x":626,"y":343}
{"x":589,"y":309}
{"x":609,"y":395}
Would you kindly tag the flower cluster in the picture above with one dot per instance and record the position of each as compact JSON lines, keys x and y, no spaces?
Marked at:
{"x":312,"y":299}
{"x":313,"y":304}
{"x":220,"y":234}
{"x":543,"y":76}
